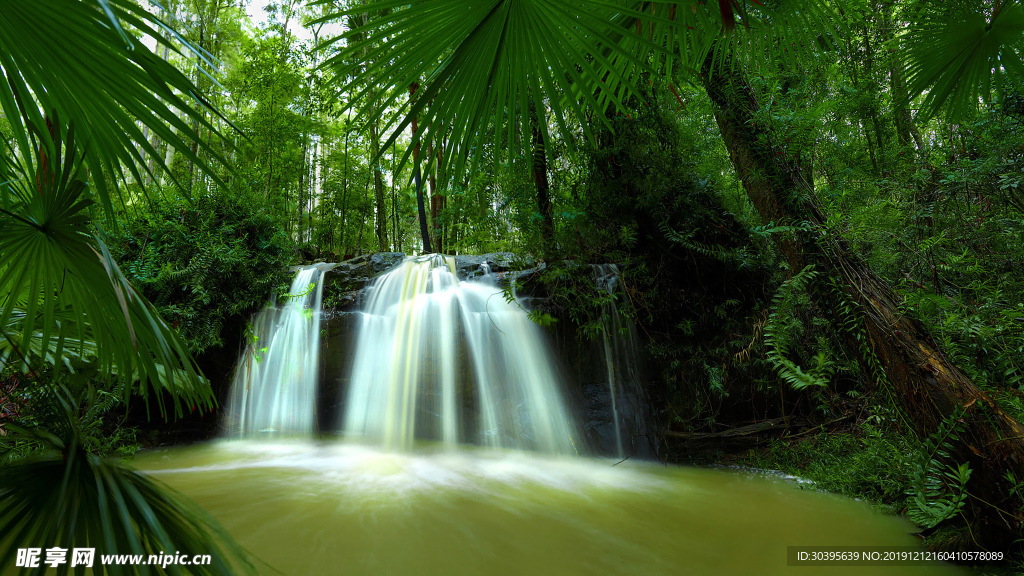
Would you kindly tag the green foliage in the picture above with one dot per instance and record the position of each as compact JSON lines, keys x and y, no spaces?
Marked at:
{"x":101,"y":430}
{"x":959,"y":52}
{"x":778,"y":333}
{"x":103,"y":76}
{"x":266,"y":78}
{"x":938,"y":488}
{"x":65,"y":300}
{"x":740,"y":257}
{"x":870,"y":461}
{"x":541,"y":318}
{"x":572,"y":294}
{"x":219,"y":256}
{"x":692,"y":277}
{"x":65,"y":496}
{"x":476,"y":59}
{"x":949,"y":234}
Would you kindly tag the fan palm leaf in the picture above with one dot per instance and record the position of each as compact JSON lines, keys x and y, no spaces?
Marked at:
{"x":65,"y":497}
{"x":74,"y":352}
{"x":957,"y":53}
{"x":483,"y":64}
{"x":61,"y":285}
{"x":85,"y":60}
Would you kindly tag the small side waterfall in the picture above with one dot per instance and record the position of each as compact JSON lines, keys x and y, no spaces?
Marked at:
{"x":274,"y":390}
{"x":455,"y":362}
{"x":619,"y":344}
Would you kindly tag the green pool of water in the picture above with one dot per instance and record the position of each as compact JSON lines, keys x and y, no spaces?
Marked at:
{"x":308,"y":509}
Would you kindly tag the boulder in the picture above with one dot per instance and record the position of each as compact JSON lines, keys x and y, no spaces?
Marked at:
{"x":346,"y":279}
{"x":474,"y":266}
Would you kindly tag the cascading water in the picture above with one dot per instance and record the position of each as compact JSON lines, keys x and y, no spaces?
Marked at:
{"x":457,"y":362}
{"x":452,"y":361}
{"x":274,"y":390}
{"x":618,"y":340}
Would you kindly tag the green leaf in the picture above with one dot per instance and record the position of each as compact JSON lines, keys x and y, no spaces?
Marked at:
{"x":75,"y":58}
{"x":956,"y":54}
{"x":63,"y":296}
{"x":67,"y":497}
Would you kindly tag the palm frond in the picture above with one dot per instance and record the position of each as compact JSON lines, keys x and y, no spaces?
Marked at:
{"x":956,"y":54}
{"x":76,"y":58}
{"x":481,"y":66}
{"x":758,"y":35}
{"x":67,"y":291}
{"x":65,"y":497}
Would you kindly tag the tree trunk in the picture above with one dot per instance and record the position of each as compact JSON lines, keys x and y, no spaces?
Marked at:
{"x":378,"y":189}
{"x":327,"y":212}
{"x":394,"y":201}
{"x":927,"y":386}
{"x":424,"y":229}
{"x":905,"y":129}
{"x":344,"y":197}
{"x":362,"y":216}
{"x":540,"y":180}
{"x":300,"y":192}
{"x":437,"y":199}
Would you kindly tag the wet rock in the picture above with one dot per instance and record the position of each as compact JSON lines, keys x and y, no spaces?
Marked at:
{"x":354,"y":274}
{"x":474,"y":266}
{"x":338,"y":331}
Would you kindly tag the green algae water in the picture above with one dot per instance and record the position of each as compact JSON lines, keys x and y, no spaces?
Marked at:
{"x":307,"y":508}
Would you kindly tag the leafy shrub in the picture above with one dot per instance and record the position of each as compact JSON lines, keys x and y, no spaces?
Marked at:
{"x":201,"y":262}
{"x":871,"y":462}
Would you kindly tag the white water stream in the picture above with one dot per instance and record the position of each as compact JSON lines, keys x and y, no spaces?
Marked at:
{"x":274,"y":391}
{"x":456,"y":362}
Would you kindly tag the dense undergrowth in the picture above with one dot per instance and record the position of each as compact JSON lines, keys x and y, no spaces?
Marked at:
{"x":862,"y":461}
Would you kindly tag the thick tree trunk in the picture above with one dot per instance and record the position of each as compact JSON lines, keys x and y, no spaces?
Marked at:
{"x":927,"y":386}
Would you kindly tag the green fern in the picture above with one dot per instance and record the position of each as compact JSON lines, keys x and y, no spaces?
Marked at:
{"x":739,"y":257}
{"x":938,"y":490}
{"x":778,"y":332}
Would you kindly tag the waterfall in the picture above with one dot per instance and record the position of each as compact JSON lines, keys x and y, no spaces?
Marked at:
{"x":274,"y":390}
{"x":454,"y":362}
{"x":618,"y":340}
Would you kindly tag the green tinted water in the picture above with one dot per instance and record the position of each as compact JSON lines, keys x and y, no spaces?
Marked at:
{"x":308,"y":509}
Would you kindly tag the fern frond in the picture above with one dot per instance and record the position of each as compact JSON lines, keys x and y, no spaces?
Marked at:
{"x":777,"y":336}
{"x":938,"y":490}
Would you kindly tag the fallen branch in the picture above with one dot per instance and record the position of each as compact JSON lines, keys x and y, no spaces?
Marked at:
{"x":771,"y":425}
